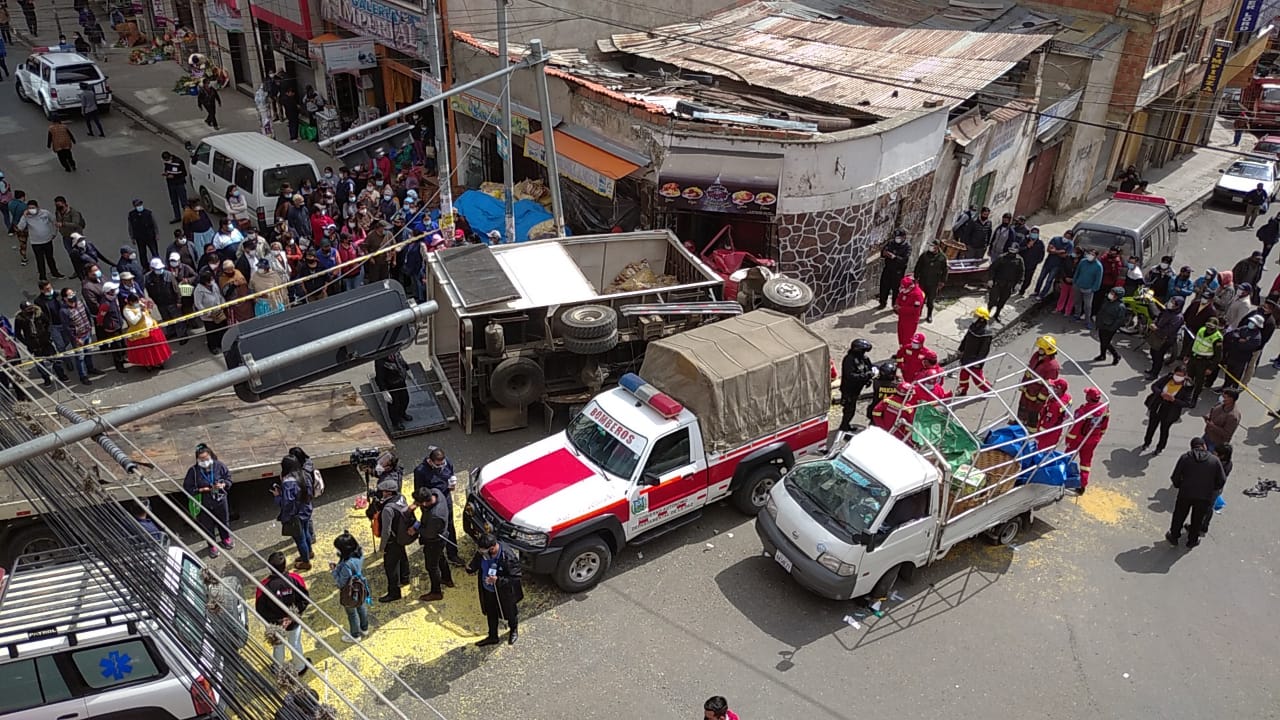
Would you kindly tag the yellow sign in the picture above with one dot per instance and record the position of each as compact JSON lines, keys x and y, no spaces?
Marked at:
{"x":487,"y":113}
{"x":1215,"y":65}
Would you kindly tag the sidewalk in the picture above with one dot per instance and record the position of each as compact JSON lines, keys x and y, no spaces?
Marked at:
{"x":1184,"y":183}
{"x":144,"y":93}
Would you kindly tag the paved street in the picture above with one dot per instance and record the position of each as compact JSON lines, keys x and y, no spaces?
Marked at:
{"x":1092,"y":615}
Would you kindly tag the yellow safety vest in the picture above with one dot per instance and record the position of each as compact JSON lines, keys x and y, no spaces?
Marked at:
{"x":1203,"y":345}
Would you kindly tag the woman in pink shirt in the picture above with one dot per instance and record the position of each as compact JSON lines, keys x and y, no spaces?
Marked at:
{"x":717,"y":708}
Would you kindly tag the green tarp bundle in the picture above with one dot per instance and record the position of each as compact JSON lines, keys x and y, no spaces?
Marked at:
{"x":957,"y":445}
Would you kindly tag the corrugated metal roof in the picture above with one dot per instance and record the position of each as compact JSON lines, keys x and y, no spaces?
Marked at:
{"x":913,"y":66}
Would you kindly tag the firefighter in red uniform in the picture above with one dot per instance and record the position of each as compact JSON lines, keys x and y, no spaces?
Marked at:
{"x":910,"y":358}
{"x":1044,"y":362}
{"x":1085,"y":434}
{"x":909,"y":308}
{"x":1054,"y":415}
{"x":893,"y":408}
{"x":929,"y":386}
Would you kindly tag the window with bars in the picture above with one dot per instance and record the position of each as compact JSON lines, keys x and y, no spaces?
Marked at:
{"x":1182,"y":35}
{"x":1160,"y":48}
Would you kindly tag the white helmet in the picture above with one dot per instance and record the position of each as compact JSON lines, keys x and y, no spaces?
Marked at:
{"x":1255,"y":322}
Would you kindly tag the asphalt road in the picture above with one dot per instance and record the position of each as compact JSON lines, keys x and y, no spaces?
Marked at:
{"x":1091,"y":615}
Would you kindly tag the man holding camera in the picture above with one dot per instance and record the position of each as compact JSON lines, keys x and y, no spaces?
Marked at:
{"x":436,"y":472}
{"x":392,"y":521}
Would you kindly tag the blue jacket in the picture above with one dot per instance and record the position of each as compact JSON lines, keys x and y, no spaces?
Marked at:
{"x":290,"y":500}
{"x":426,"y":476}
{"x":1181,"y":287}
{"x":347,"y":569}
{"x":198,"y":478}
{"x":1088,"y":277}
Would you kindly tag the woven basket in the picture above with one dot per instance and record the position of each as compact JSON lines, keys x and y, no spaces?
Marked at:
{"x":999,"y":467}
{"x":952,"y":249}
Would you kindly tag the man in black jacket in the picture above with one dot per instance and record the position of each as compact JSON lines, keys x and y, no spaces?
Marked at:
{"x":143,"y":231}
{"x":855,"y":375}
{"x":1165,"y":335}
{"x":498,"y":582}
{"x":291,"y":591}
{"x":974,"y":230}
{"x":1006,"y":273}
{"x":1199,"y":478}
{"x":32,"y":328}
{"x":931,"y":273}
{"x":390,"y":375}
{"x":975,"y":346}
{"x":1110,"y":319}
{"x":895,"y":254}
{"x":430,"y":529}
{"x":1269,"y":235}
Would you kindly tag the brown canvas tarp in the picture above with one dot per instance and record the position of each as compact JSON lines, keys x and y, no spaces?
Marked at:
{"x":743,"y":377}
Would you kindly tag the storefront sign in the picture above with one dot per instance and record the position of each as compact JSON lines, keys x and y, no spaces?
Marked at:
{"x":1055,"y":116}
{"x":290,"y":45}
{"x":430,"y":86}
{"x":485,"y":112}
{"x":348,"y":55}
{"x":224,"y":17}
{"x":1215,"y":65}
{"x":392,"y":25}
{"x":1247,"y":20}
{"x":711,"y":182}
{"x":504,"y":146}
{"x":570,"y":168}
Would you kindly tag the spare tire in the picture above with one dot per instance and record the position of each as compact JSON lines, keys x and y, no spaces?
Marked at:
{"x":594,"y":346}
{"x":587,"y":322}
{"x":516,"y":382}
{"x":787,"y":295}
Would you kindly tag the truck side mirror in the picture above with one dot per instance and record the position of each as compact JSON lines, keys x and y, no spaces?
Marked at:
{"x":650,"y":479}
{"x":876,"y":538}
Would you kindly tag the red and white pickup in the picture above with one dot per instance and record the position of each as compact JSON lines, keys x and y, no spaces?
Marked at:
{"x":720,"y":411}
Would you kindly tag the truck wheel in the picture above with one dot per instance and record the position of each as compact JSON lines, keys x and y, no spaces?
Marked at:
{"x":33,"y":540}
{"x":207,"y":199}
{"x":516,"y":382}
{"x":583,"y":564}
{"x":884,"y":586}
{"x":591,"y":347}
{"x":750,"y":497}
{"x":587,"y":322}
{"x":1005,"y":533}
{"x":22,"y":94}
{"x":787,"y":295}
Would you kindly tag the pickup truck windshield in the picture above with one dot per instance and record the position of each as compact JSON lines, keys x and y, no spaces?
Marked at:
{"x":605,"y":441}
{"x":841,"y":491}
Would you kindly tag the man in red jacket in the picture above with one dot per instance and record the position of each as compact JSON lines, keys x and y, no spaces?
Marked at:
{"x":1054,"y":415}
{"x":1094,"y":416}
{"x":909,"y":308}
{"x":910,"y":357}
{"x":1113,"y":272}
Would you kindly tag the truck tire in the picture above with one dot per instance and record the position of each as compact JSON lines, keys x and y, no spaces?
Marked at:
{"x":591,"y":347}
{"x":588,"y":322}
{"x":787,"y":295}
{"x":516,"y":382}
{"x":583,"y":564}
{"x":36,"y":538}
{"x":884,"y":586}
{"x":1006,"y":532}
{"x":751,"y":495}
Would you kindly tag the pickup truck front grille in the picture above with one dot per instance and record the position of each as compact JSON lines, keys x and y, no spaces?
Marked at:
{"x":479,"y":514}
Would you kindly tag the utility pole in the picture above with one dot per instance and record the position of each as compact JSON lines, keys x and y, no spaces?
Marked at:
{"x":443,"y":166}
{"x":548,"y":133}
{"x":504,"y":139}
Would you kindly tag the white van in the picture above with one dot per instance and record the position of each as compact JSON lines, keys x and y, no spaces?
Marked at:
{"x":255,"y":163}
{"x":52,"y":79}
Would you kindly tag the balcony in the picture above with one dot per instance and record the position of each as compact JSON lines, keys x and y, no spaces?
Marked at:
{"x":1160,"y":80}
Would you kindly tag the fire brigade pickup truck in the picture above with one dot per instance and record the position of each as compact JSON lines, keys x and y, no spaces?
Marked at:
{"x":720,"y":411}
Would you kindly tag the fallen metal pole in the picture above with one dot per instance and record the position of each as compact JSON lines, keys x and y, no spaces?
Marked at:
{"x":540,"y":57}
{"x":221,"y":381}
{"x":429,"y":102}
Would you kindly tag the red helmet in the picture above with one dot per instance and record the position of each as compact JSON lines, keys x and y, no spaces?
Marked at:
{"x":908,"y":281}
{"x":903,"y":388}
{"x":917,"y":339}
{"x":1059,"y":385}
{"x":1092,"y":394}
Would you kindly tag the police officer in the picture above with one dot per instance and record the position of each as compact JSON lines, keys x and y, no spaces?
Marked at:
{"x":884,"y":384}
{"x":498,"y":583}
{"x":390,"y":375}
{"x":1206,"y":353}
{"x":895,"y":254}
{"x":856,"y":372}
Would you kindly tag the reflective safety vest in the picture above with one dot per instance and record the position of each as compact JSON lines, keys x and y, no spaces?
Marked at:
{"x":1203,"y":344}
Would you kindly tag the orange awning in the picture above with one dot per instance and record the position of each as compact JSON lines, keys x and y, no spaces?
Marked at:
{"x":571,"y":148}
{"x":327,"y":37}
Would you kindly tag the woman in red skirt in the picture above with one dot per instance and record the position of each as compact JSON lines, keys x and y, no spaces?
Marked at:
{"x":149,"y":348}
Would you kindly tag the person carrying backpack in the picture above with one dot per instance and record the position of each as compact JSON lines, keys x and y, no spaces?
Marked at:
{"x":293,"y":496}
{"x":291,"y":590}
{"x":393,"y":522}
{"x":353,"y":589}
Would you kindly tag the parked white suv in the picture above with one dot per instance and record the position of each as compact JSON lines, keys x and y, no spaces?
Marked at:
{"x":52,"y":80}
{"x":72,"y":646}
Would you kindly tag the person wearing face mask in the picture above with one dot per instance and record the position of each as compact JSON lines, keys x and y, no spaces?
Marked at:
{"x":1226,"y":292}
{"x":235,"y":288}
{"x":1159,"y":279}
{"x":248,"y":254}
{"x":91,"y":286}
{"x":1269,"y":235}
{"x":390,"y":518}
{"x":109,"y":324}
{"x":1166,"y":333}
{"x":1113,"y":271}
{"x":188,"y":254}
{"x":436,"y":472}
{"x":1182,"y":285}
{"x":498,"y":583}
{"x":1033,"y":253}
{"x":300,"y":221}
{"x":1249,"y":272}
{"x":206,"y":299}
{"x":238,"y":209}
{"x":1085,"y":284}
{"x":1133,"y":276}
{"x":143,"y":231}
{"x":1169,"y":396}
{"x":265,"y":279}
{"x":146,"y":346}
{"x":327,"y":180}
{"x":353,"y":276}
{"x":1206,"y":351}
{"x":70,"y":221}
{"x":186,"y":277}
{"x":227,"y":240}
{"x":279,"y":259}
{"x":50,"y":303}
{"x":211,"y":260}
{"x":319,"y":221}
{"x":909,"y":357}
{"x":162,"y":289}
{"x":207,"y":483}
{"x":315,"y":282}
{"x":349,"y":568}
{"x":344,"y":189}
{"x":378,"y":265}
{"x":86,"y":259}
{"x":79,"y":327}
{"x":32,"y":328}
{"x":391,"y":376}
{"x":41,"y":229}
{"x":196,"y":223}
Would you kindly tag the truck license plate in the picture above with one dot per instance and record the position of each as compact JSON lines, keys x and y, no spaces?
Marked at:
{"x":783,"y":561}
{"x":1237,"y":199}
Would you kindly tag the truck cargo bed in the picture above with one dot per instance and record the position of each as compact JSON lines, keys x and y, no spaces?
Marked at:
{"x":997,"y":510}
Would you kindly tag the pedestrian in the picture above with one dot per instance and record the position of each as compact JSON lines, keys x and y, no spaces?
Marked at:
{"x":1255,"y":202}
{"x":128,"y":263}
{"x":353,"y":589}
{"x":1224,"y":453}
{"x":1206,"y":352}
{"x":41,"y":229}
{"x":389,"y":511}
{"x":1222,"y":420}
{"x":1165,"y":334}
{"x":146,"y":345}
{"x":931,"y":273}
{"x":349,"y":251}
{"x":163,"y":288}
{"x":430,"y":530}
{"x":1269,"y":235}
{"x":1066,"y":275}
{"x":497,"y":568}
{"x":290,"y":593}
{"x":1054,"y":415}
{"x":1159,"y":279}
{"x":1207,"y":281}
{"x":146,"y":524}
{"x":70,"y":221}
{"x":206,"y":299}
{"x":1238,"y":348}
{"x":183,"y":248}
{"x":89,"y":106}
{"x":1133,"y":276}
{"x":227,"y":239}
{"x":1249,"y":272}
{"x":975,"y":346}
{"x":261,"y":103}
{"x":1001,"y":236}
{"x":144,"y":232}
{"x":1113,"y":274}
{"x":1169,"y":396}
{"x":273,"y":87}
{"x":4,"y":51}
{"x":50,"y":303}
{"x":293,"y":496}
{"x":1111,"y":317}
{"x":893,"y":414}
{"x":973,"y":229}
{"x":1091,"y":422}
{"x":909,"y":306}
{"x":391,"y":377}
{"x":436,"y":471}
{"x":208,"y":100}
{"x":235,"y":289}
{"x":33,"y":329}
{"x":1238,"y":127}
{"x":6,"y":27}
{"x":910,"y":358}
{"x":207,"y":484}
{"x":1182,"y":285}
{"x":109,"y":322}
{"x":292,"y":111}
{"x":1042,"y":368}
{"x":1225,"y":294}
{"x":1033,"y":253}
{"x":895,"y":254}
{"x":1086,"y":281}
{"x":1006,"y":272}
{"x":856,"y":372}
{"x":1199,"y":478}
{"x":1060,"y":249}
{"x":267,"y":280}
{"x":79,"y":328}
{"x":175,"y":180}
{"x":60,"y":140}
{"x":29,"y":13}
{"x":717,"y":708}
{"x":12,"y":204}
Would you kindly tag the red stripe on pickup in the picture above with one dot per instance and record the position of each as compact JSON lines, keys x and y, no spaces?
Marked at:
{"x":534,"y":481}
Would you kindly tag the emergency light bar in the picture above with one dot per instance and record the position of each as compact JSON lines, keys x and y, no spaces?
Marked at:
{"x":1139,"y":197}
{"x":660,"y":402}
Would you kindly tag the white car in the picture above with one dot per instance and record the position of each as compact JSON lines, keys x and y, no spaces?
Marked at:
{"x":1243,"y":176}
{"x":53,"y":80}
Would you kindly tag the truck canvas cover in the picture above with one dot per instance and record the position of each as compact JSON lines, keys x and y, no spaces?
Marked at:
{"x":743,"y":377}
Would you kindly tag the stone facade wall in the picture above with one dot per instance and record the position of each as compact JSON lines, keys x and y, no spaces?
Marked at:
{"x":837,"y":251}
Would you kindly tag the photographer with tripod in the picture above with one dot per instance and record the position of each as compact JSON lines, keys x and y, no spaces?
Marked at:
{"x":391,"y":520}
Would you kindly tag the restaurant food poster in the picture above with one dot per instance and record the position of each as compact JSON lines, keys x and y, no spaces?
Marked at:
{"x":711,"y":193}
